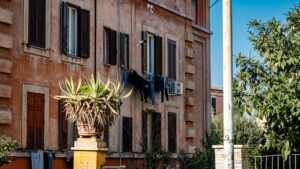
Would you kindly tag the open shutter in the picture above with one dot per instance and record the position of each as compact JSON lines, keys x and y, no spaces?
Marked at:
{"x":158,"y":55}
{"x":156,"y":131}
{"x":127,"y":134}
{"x":64,"y":27}
{"x":172,"y":142}
{"x":122,"y":49}
{"x":84,"y":33}
{"x":113,"y":47}
{"x":63,"y":126}
{"x":144,"y":131}
{"x":144,"y":52}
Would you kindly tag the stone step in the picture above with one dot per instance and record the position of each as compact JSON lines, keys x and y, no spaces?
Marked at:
{"x":5,"y":116}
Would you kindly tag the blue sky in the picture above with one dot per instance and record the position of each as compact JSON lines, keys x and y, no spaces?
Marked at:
{"x":242,"y":12}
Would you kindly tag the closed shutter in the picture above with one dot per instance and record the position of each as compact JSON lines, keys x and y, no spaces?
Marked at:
{"x":158,"y":55}
{"x":144,"y":52}
{"x":35,"y":121}
{"x":63,"y":126}
{"x":172,"y":59}
{"x":84,"y":33}
{"x":122,"y":50}
{"x":37,"y":23}
{"x":172,"y":141}
{"x":156,"y":131}
{"x":127,"y":134}
{"x":64,"y":28}
{"x":144,"y":131}
{"x":113,"y":47}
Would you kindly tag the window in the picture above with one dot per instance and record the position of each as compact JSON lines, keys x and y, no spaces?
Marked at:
{"x":75,"y":30}
{"x":127,"y":134}
{"x":214,"y":104}
{"x":37,"y":23}
{"x":63,"y":127}
{"x":35,"y":121}
{"x":124,"y":50}
{"x":110,"y":46}
{"x":172,"y":126}
{"x":195,"y":11}
{"x":172,"y":59}
{"x":151,"y":128}
{"x":152,"y":54}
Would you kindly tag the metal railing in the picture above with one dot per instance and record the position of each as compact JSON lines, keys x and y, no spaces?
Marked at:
{"x":114,"y":167}
{"x":277,"y":162}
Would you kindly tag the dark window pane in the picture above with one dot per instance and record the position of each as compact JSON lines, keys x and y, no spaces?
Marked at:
{"x":156,"y":131}
{"x":127,"y":134}
{"x":172,"y":126}
{"x":195,"y":11}
{"x":172,"y":59}
{"x":213,"y":103}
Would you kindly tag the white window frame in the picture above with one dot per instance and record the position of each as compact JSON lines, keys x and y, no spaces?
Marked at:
{"x":150,"y":53}
{"x":72,"y":48}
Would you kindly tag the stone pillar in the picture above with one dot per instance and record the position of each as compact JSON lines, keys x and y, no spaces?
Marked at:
{"x":240,"y":156}
{"x":89,"y":153}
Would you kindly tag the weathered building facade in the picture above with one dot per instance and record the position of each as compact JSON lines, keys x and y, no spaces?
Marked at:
{"x":217,"y":100}
{"x":43,"y":42}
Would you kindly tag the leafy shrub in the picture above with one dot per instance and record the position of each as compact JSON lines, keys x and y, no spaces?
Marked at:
{"x":5,"y":148}
{"x":200,"y":160}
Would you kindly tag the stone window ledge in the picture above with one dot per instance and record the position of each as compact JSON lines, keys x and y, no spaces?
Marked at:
{"x":26,"y":153}
{"x":36,"y":51}
{"x":72,"y":59}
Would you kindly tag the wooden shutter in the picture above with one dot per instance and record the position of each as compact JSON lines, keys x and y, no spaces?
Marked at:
{"x":172,"y":59}
{"x":156,"y":131}
{"x":172,"y":141}
{"x":64,"y":28}
{"x":63,"y":126}
{"x":37,"y":23}
{"x":144,"y":131}
{"x":113,"y":47}
{"x":35,"y":121}
{"x":122,"y":49}
{"x":84,"y":33}
{"x":127,"y":134}
{"x":144,"y":52}
{"x":158,"y":55}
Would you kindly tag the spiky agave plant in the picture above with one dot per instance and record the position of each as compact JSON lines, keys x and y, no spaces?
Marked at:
{"x":92,"y":102}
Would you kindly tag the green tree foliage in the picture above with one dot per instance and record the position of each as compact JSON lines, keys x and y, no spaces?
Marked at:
{"x":5,"y":148}
{"x":269,"y":85}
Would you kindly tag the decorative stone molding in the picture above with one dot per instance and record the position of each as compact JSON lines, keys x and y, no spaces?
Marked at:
{"x":190,"y":69}
{"x":190,"y":85}
{"x":6,"y":16}
{"x":6,"y":41}
{"x":5,"y":65}
{"x":189,"y":37}
{"x":189,"y":116}
{"x":189,"y":52}
{"x":190,"y":101}
{"x":5,"y":91}
{"x":191,"y":149}
{"x":5,"y":116}
{"x":240,"y":156}
{"x":190,"y":133}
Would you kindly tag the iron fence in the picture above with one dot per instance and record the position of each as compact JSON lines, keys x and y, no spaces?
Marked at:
{"x":277,"y":162}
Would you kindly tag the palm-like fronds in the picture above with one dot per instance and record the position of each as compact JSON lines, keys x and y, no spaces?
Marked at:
{"x":92,"y":102}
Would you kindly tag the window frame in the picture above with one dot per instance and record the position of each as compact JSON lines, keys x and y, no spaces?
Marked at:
{"x":196,"y":6}
{"x":169,"y":71}
{"x":75,"y":29}
{"x":107,"y":49}
{"x":177,"y":56}
{"x":150,"y":65}
{"x":176,"y":126}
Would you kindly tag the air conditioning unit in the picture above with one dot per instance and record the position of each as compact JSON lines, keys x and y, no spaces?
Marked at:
{"x":175,"y":88}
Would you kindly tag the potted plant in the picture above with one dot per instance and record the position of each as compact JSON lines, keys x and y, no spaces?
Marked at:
{"x":93,"y":104}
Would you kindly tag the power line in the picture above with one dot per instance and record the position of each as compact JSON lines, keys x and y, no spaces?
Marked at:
{"x":214,"y":4}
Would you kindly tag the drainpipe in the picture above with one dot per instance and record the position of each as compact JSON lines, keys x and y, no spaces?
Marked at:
{"x":95,"y":40}
{"x":227,"y":82}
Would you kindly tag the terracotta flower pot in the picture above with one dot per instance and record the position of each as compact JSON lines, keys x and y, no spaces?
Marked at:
{"x":85,"y":130}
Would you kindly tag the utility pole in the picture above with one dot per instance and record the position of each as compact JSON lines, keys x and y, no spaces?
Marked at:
{"x":227,"y":83}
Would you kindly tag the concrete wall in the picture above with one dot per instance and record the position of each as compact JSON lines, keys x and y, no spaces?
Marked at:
{"x":22,"y":66}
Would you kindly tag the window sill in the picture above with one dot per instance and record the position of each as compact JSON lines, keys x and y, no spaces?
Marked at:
{"x":26,"y":153}
{"x":43,"y":52}
{"x":72,"y":59}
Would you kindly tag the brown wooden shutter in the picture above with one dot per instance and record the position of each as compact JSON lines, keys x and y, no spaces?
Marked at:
{"x":84,"y":33}
{"x":172,"y":141}
{"x":172,"y":59}
{"x":144,"y":52}
{"x":37,"y":23}
{"x":158,"y":55}
{"x":35,"y":121}
{"x":144,"y":131}
{"x":63,"y":126}
{"x":113,"y":47}
{"x":156,"y":131}
{"x":64,"y":27}
{"x":127,"y":134}
{"x":127,"y":50}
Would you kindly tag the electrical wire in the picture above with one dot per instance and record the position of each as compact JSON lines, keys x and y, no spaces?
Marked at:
{"x":214,"y":4}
